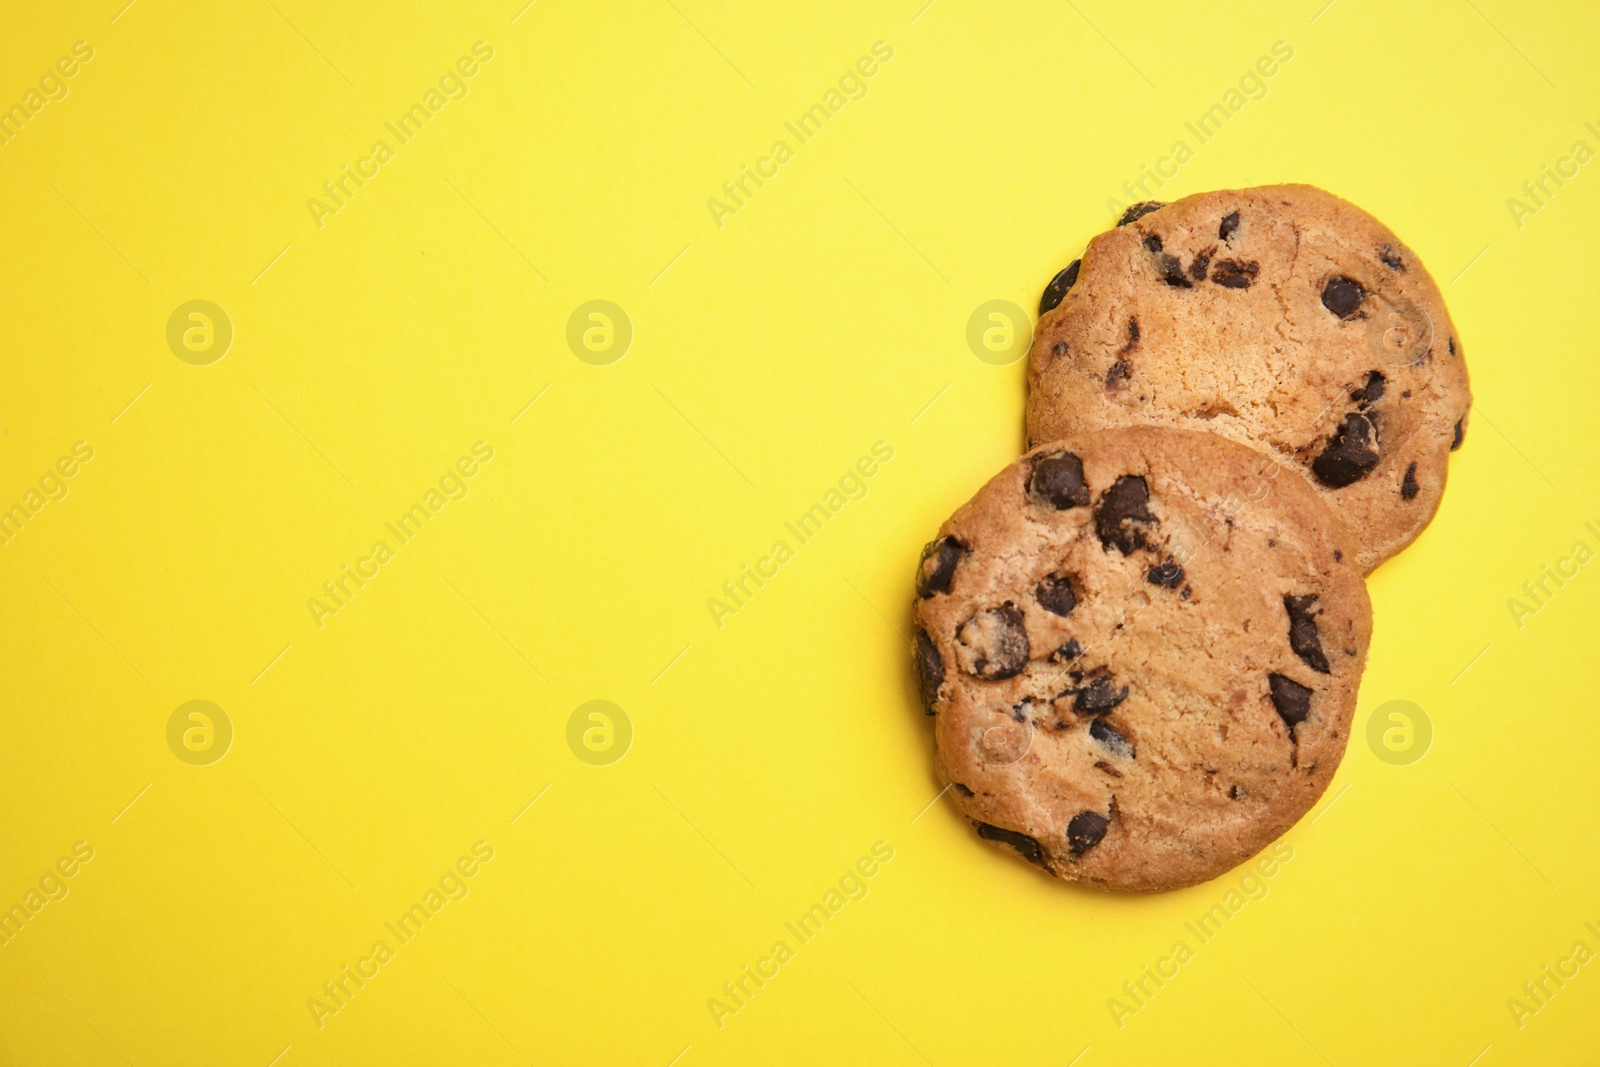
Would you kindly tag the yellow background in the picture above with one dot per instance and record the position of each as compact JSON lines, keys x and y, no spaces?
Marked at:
{"x":768,"y":354}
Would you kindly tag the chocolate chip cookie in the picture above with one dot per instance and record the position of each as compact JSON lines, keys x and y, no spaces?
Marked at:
{"x":1141,"y":648}
{"x":1279,"y":316}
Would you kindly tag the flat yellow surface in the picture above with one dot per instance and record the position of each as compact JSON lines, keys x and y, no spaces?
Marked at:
{"x":196,"y":484}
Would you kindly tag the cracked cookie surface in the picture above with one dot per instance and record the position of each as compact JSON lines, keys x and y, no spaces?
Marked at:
{"x":1279,"y":316}
{"x":1141,"y":649}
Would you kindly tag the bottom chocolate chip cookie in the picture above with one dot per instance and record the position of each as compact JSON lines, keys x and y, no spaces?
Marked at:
{"x":1141,"y":648}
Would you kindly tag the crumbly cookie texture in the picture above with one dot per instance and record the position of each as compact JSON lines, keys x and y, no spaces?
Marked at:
{"x":1141,"y":648}
{"x":1279,"y":316}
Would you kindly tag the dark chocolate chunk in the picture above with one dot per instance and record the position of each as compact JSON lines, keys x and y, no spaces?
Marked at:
{"x":1408,"y":485}
{"x":1057,"y":480}
{"x":1292,"y":700}
{"x":963,"y":790}
{"x":930,"y":671}
{"x":1029,"y":847}
{"x":1056,"y":291}
{"x":1391,"y":258}
{"x":1452,"y":346}
{"x":1371,"y":392}
{"x":938,"y":566}
{"x":1085,"y":831}
{"x":998,"y":640}
{"x":1153,"y":242}
{"x":1303,"y":636}
{"x":1234,"y":274}
{"x":1197,"y":269}
{"x":1230,"y":223}
{"x":1171,"y":270}
{"x":1067,"y":652}
{"x":1120,"y":513}
{"x":1099,"y":696}
{"x":1343,"y":296}
{"x":1235,"y":793}
{"x":1457,"y":437}
{"x":1168,"y":575}
{"x":1349,"y":455}
{"x":1138,"y":211}
{"x":1117,"y":376}
{"x":1059,"y":348}
{"x":1104,"y":733}
{"x":1054,"y":594}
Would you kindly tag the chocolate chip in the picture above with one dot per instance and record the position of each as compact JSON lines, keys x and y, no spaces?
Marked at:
{"x":1391,"y":258}
{"x":1350,"y":455}
{"x":938,"y":566}
{"x":1117,"y":376}
{"x":1101,"y":764}
{"x":1234,"y":792}
{"x":1153,"y":242}
{"x":1059,"y":348}
{"x":1099,"y":696}
{"x":1120,"y":508}
{"x":963,"y":790}
{"x":1102,"y":732}
{"x":1056,"y":291}
{"x":1371,"y":392}
{"x":1197,"y":269}
{"x":1067,"y":652}
{"x":1343,"y":296}
{"x":1138,"y":211}
{"x":1457,"y":437}
{"x":1171,"y":270}
{"x":930,"y":671}
{"x":1057,"y":480}
{"x":1054,"y":594}
{"x":1452,"y":346}
{"x":1234,"y":274}
{"x":1168,"y":575}
{"x":1292,"y":700}
{"x":1133,"y":333}
{"x":1303,"y":636}
{"x":1408,"y":485}
{"x":1230,"y":223}
{"x":1085,"y":831}
{"x":1338,"y":556}
{"x":1029,"y":847}
{"x":995,"y":642}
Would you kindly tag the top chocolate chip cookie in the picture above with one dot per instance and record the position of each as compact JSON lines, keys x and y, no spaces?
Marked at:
{"x":1280,"y":316}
